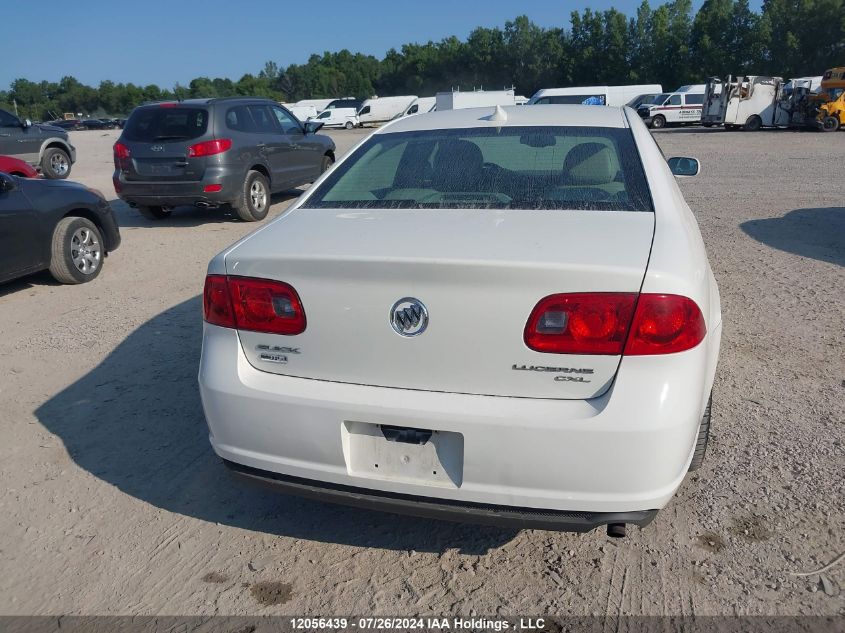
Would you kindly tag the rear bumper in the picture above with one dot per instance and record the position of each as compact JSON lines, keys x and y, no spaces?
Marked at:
{"x":432,"y":508}
{"x":171,"y":193}
{"x":627,"y":451}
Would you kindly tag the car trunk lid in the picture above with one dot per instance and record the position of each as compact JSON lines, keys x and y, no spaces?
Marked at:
{"x":479,"y":274}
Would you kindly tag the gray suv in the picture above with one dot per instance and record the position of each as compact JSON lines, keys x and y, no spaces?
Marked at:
{"x":213,"y":152}
{"x":43,"y":146}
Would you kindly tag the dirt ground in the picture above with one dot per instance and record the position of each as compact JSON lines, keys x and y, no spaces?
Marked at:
{"x":113,"y":503}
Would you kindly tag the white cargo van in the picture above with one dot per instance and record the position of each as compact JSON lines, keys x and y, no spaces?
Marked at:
{"x":421,"y":106}
{"x":319,"y":104}
{"x":338,"y":117}
{"x":616,"y":96}
{"x":456,"y":100}
{"x":682,"y":106}
{"x":303,"y":113}
{"x":382,"y":109}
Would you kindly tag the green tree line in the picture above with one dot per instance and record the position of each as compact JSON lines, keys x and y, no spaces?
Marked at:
{"x":667,"y":44}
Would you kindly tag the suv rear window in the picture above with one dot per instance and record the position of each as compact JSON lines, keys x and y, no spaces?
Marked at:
{"x":491,"y":168}
{"x":166,"y":124}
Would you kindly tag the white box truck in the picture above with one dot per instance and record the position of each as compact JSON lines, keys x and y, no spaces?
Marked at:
{"x":319,"y":104}
{"x":750,"y":102}
{"x":382,"y":109}
{"x":456,"y":100}
{"x":616,"y":96}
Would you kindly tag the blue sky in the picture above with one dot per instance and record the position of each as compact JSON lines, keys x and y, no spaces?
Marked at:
{"x":162,"y":42}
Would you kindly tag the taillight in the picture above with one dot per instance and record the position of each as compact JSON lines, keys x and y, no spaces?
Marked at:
{"x":580,"y":323}
{"x":599,"y":323}
{"x":259,"y":305}
{"x":665,"y":324}
{"x":120,"y":151}
{"x":216,"y":303}
{"x":209,"y":148}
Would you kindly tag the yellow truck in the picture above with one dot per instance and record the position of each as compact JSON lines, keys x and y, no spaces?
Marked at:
{"x":830,"y":102}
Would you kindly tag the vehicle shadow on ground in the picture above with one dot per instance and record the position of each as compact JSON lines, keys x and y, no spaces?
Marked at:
{"x":815,"y":233}
{"x":189,"y":216}
{"x":21,"y":284}
{"x":135,"y":421}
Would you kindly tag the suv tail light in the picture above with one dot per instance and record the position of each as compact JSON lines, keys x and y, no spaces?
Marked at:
{"x":209,"y":148}
{"x":120,"y":151}
{"x":599,"y":323}
{"x":259,"y":305}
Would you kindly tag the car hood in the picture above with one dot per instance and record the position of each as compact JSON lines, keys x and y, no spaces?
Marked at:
{"x":63,"y":184}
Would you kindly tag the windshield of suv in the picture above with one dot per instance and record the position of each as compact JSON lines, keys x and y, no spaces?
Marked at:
{"x":159,"y":123}
{"x":491,"y":168}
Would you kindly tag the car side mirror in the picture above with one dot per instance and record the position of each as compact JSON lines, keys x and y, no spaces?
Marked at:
{"x":684,"y":166}
{"x":7,"y":183}
{"x":312,"y":126}
{"x":26,"y":123}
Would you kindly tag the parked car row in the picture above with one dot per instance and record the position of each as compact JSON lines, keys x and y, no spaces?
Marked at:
{"x":88,"y":124}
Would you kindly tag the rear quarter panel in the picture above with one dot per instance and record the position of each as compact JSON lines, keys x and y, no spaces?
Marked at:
{"x":678,"y":262}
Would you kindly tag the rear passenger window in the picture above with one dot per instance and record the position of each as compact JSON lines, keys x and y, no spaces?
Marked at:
{"x":694,"y":99}
{"x":238,"y":119}
{"x":261,"y":119}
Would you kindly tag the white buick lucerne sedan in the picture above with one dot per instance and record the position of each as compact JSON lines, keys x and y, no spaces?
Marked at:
{"x":499,"y":316}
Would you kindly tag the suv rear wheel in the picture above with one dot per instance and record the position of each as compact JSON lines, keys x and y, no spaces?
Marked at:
{"x":254,"y":201}
{"x":155,"y":213}
{"x":55,"y":163}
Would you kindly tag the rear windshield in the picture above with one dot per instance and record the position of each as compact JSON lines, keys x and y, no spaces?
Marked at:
{"x":166,"y":124}
{"x":491,"y":168}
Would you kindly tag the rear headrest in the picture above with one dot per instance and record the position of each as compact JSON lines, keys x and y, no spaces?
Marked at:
{"x":590,"y":164}
{"x":458,"y":166}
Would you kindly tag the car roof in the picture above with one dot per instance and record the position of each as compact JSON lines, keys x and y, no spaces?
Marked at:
{"x":525,"y":115}
{"x":209,"y":101}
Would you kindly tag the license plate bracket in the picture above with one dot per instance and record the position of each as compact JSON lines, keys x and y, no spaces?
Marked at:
{"x":411,"y":455}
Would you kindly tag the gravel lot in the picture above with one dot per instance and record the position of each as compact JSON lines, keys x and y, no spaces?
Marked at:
{"x":113,"y":502}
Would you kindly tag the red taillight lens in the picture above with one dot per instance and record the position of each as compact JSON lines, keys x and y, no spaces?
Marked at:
{"x":599,"y":323}
{"x":259,"y":305}
{"x":216,"y":303}
{"x":580,"y":323}
{"x":212,"y":188}
{"x":209,"y":148}
{"x":665,"y":324}
{"x":120,"y":151}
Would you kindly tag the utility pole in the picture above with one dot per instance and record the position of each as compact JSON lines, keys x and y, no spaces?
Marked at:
{"x":15,"y":103}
